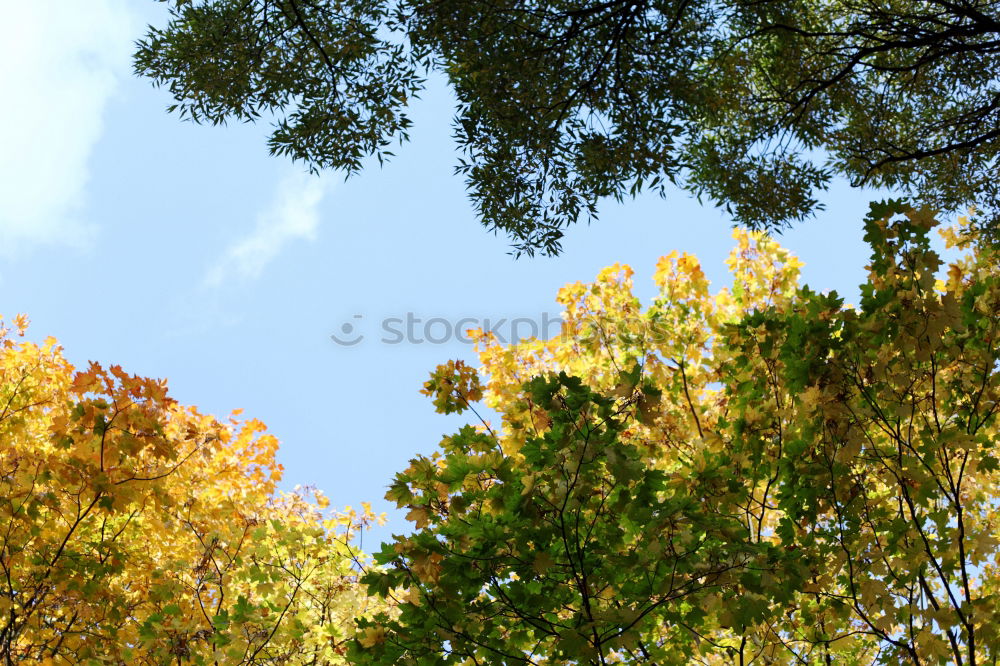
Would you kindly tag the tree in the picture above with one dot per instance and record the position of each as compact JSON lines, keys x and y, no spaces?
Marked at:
{"x":882,"y":424}
{"x":754,"y":105}
{"x":760,"y":475}
{"x":572,"y":551}
{"x":135,"y":530}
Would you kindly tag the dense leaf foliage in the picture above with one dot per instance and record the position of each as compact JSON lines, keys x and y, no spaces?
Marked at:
{"x":563,"y":102}
{"x":138,"y":531}
{"x":763,"y":474}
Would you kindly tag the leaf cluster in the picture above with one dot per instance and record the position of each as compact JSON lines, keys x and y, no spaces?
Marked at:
{"x":138,"y":531}
{"x":751,"y":104}
{"x":760,"y":474}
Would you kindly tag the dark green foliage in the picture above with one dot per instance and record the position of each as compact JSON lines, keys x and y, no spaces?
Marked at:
{"x":752,"y":104}
{"x":573,"y":550}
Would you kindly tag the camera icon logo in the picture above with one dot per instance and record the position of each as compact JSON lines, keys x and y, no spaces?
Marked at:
{"x":350,"y":335}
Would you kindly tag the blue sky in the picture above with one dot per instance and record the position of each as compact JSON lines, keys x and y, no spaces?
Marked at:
{"x":187,"y":252}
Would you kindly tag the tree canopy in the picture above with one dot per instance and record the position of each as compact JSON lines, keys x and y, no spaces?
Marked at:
{"x":139,"y":531}
{"x":763,"y":474}
{"x":752,"y":104}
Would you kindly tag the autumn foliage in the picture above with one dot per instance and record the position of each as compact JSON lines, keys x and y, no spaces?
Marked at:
{"x":763,"y":474}
{"x":756,"y":474}
{"x":139,"y":531}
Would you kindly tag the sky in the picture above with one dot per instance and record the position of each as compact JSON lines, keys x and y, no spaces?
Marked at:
{"x":188,"y":253}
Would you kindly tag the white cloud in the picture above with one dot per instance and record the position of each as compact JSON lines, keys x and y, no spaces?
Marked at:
{"x":61,"y":64}
{"x":292,"y":215}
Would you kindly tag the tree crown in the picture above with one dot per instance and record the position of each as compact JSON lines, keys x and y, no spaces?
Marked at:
{"x":752,"y":105}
